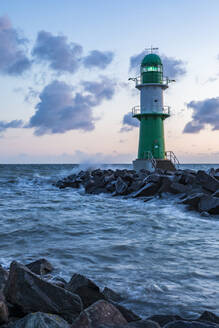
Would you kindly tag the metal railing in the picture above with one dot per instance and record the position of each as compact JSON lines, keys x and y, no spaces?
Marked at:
{"x":148,"y":155}
{"x":136,"y":110}
{"x":172,"y":157}
{"x":138,"y":81}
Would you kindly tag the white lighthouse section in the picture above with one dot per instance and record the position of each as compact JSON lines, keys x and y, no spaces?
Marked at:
{"x":151,"y":99}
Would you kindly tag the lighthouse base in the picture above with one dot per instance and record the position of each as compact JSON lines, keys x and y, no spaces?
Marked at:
{"x":143,"y":164}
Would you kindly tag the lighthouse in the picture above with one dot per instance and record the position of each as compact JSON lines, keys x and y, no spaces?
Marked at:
{"x":152,"y":113}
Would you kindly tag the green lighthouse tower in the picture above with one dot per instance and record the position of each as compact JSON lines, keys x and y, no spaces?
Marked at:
{"x":151,"y":113}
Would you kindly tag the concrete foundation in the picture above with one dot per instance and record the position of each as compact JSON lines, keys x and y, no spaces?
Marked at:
{"x":144,"y":164}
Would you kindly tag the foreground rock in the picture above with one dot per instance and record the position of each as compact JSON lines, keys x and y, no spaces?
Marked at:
{"x":3,"y":278}
{"x":26,"y":291}
{"x":99,"y":313}
{"x":40,"y":267}
{"x":41,"y":320}
{"x":88,"y":291}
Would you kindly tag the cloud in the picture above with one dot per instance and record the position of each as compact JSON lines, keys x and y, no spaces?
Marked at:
{"x":12,"y":124}
{"x":99,"y":59}
{"x":61,"y":55}
{"x":64,"y":56}
{"x":172,"y":67}
{"x":59,"y":111}
{"x":129,"y":123}
{"x":13,"y":59}
{"x":204,"y":112}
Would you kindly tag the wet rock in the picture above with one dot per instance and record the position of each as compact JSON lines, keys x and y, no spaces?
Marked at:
{"x":4,"y":314}
{"x":207,"y":181}
{"x":41,"y":320}
{"x":41,"y":267}
{"x":216,"y":194}
{"x":209,"y":204}
{"x":209,"y":316}
{"x":99,"y":313}
{"x":110,"y":295}
{"x":29,"y":293}
{"x":193,"y":200}
{"x":88,"y":291}
{"x":178,"y":188}
{"x":149,"y":190}
{"x":164,"y":319}
{"x":191,"y":324}
{"x":3,"y":277}
{"x":165,"y":185}
{"x":121,"y":187}
{"x":127,"y":314}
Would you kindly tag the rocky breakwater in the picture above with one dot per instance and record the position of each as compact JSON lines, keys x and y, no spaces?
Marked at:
{"x":30,"y":299}
{"x":198,"y":190}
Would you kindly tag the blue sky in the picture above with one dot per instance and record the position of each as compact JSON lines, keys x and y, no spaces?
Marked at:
{"x":184,"y":31}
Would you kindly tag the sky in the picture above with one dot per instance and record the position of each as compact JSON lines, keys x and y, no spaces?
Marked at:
{"x":64,"y":70}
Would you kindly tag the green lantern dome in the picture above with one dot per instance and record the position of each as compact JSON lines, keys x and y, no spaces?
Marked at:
{"x":151,"y":69}
{"x":150,"y":60}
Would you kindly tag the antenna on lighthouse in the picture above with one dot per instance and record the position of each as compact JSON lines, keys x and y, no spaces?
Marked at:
{"x":151,"y":49}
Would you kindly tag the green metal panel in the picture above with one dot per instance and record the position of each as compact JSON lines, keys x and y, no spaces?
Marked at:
{"x":151,"y":136}
{"x":151,"y":59}
{"x":151,"y":77}
{"x":151,"y":69}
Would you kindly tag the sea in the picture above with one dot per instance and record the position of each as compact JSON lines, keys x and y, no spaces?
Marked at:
{"x":159,"y":256}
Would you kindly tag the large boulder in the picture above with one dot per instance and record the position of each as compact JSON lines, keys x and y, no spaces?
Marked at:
{"x":41,"y":266}
{"x":193,"y":200}
{"x":179,"y":188}
{"x":149,"y":189}
{"x":4,"y":313}
{"x":88,"y":291}
{"x":40,"y":320}
{"x":209,"y":204}
{"x":190,"y":324}
{"x":111,"y":295}
{"x":127,"y":314}
{"x":99,"y":313}
{"x":121,"y":186}
{"x":208,"y":182}
{"x":209,"y":316}
{"x":3,"y":278}
{"x":30,"y":293}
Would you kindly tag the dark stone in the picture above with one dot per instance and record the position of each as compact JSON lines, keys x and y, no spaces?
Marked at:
{"x":207,"y":181}
{"x":209,"y":204}
{"x":209,"y":316}
{"x":190,"y":324}
{"x":193,"y":200}
{"x":29,"y":293}
{"x":120,"y":186}
{"x":216,"y":194}
{"x":149,"y":190}
{"x":165,"y":184}
{"x":40,"y":320}
{"x":127,"y":314}
{"x":41,"y":267}
{"x":164,"y":319}
{"x":110,"y":295}
{"x":135,"y":186}
{"x":178,"y":188}
{"x":99,"y":313}
{"x":3,"y":278}
{"x":3,"y":310}
{"x":88,"y":291}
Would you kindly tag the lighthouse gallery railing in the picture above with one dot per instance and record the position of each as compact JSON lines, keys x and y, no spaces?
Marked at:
{"x":136,"y":110}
